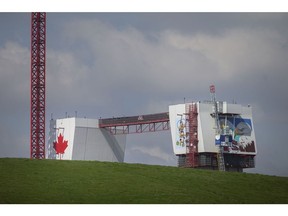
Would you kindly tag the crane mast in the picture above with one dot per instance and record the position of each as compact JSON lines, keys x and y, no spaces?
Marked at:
{"x":38,"y":68}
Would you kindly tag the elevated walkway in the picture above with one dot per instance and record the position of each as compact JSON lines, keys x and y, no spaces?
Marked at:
{"x":136,"y":124}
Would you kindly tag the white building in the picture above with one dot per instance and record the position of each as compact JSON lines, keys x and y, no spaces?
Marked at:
{"x":82,"y":139}
{"x":236,"y":122}
{"x":192,"y":128}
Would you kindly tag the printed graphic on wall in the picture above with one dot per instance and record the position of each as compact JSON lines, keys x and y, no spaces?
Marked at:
{"x":177,"y":125}
{"x":61,"y":145}
{"x":240,"y":130}
{"x":181,"y":132}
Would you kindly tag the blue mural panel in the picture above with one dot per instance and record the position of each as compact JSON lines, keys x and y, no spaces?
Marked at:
{"x":240,"y":130}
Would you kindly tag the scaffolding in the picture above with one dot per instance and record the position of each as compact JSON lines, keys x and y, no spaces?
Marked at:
{"x":191,"y":135}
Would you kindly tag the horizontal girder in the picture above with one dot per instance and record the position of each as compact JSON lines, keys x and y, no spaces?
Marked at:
{"x":136,"y":124}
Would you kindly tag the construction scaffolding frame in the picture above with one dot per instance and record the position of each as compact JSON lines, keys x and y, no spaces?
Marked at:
{"x":191,"y":135}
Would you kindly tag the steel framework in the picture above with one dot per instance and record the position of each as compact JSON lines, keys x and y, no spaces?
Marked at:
{"x":220,"y":154}
{"x":192,"y":135}
{"x":139,"y":128}
{"x":136,"y":124}
{"x":38,"y":67}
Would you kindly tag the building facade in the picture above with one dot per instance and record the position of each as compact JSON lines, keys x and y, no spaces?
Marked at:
{"x":235,"y":135}
{"x":82,"y":139}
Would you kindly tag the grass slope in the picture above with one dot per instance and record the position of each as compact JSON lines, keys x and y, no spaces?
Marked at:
{"x":64,"y":182}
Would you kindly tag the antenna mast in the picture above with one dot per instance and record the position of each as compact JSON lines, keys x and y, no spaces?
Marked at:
{"x":220,"y":155}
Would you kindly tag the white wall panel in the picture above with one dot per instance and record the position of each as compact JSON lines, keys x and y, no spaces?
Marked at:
{"x":86,"y":141}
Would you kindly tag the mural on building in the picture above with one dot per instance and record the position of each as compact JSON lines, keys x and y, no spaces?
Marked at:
{"x":181,"y":132}
{"x":240,"y":130}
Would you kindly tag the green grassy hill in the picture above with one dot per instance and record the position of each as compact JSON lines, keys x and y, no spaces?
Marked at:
{"x":64,"y":182}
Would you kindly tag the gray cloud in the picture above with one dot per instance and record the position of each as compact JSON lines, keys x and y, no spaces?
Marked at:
{"x":14,"y":100}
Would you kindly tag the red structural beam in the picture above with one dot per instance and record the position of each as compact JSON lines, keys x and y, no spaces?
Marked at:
{"x":136,"y":124}
{"x":140,"y":128}
{"x":38,"y":68}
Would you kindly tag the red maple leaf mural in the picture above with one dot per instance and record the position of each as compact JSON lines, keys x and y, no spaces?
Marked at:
{"x":60,"y":145}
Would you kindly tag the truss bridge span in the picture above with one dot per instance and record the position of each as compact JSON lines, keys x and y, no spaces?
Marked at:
{"x":136,"y":124}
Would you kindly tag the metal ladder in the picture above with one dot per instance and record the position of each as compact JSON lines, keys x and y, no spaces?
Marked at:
{"x":220,"y":159}
{"x":192,"y":138}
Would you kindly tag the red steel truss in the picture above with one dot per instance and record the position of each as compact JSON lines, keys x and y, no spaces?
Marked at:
{"x":38,"y":67}
{"x":136,"y":124}
{"x":192,"y":135}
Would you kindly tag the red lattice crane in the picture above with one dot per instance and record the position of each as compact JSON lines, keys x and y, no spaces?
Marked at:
{"x":38,"y":68}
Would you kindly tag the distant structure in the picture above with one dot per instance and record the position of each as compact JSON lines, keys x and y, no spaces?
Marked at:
{"x":207,"y":135}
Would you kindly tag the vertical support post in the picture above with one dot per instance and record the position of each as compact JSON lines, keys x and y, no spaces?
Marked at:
{"x":38,"y":68}
{"x":220,"y":154}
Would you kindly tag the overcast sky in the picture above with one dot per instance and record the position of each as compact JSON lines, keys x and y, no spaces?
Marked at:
{"x":121,"y":64}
